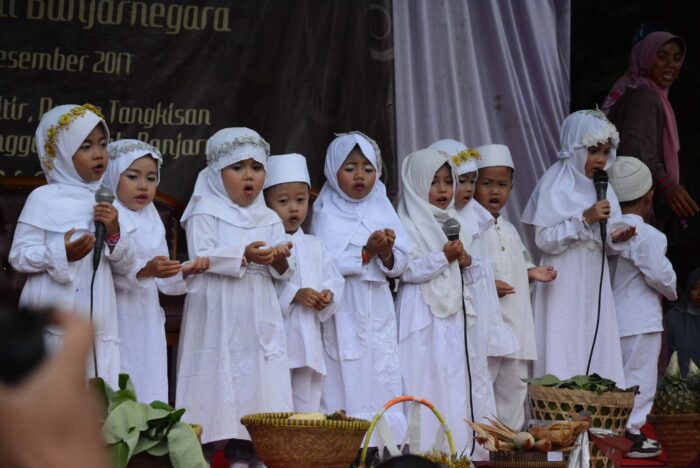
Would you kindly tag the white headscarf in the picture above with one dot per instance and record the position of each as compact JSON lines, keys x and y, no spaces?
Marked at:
{"x":229,"y":146}
{"x":67,"y":201}
{"x":146,"y":221}
{"x":423,"y":223}
{"x":336,"y":216}
{"x":474,"y":218}
{"x":564,"y":191}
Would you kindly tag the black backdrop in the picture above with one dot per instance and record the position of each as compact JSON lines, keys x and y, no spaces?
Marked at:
{"x":173,"y":72}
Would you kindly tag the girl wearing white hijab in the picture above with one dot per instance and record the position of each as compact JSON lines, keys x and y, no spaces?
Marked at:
{"x":364,"y":236}
{"x":431,"y":302}
{"x":232,"y":358}
{"x":565,"y":214}
{"x":53,"y":241}
{"x":133,"y":175}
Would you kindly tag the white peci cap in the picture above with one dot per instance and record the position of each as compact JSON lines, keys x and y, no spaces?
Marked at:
{"x":494,"y":155}
{"x":285,"y":168}
{"x":630,"y":178}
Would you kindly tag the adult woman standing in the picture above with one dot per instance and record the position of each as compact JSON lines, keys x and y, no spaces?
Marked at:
{"x":638,"y":105}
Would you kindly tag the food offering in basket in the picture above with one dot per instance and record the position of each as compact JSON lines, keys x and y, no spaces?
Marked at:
{"x":676,"y":414}
{"x":505,"y":444}
{"x":300,"y":440}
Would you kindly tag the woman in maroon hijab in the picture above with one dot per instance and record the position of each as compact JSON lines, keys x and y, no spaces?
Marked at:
{"x":638,"y":105}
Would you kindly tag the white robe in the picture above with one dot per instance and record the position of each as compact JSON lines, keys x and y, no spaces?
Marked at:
{"x":566,"y":309}
{"x":314,"y":269}
{"x":433,"y":358}
{"x":232,"y":356}
{"x":141,"y":320}
{"x":54,"y":282}
{"x":362,"y":358}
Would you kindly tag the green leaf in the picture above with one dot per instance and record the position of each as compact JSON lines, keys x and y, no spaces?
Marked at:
{"x":159,"y":449}
{"x":125,"y":418}
{"x":119,"y":455}
{"x":184,"y":448}
{"x":160,"y":405}
{"x":548,"y":380}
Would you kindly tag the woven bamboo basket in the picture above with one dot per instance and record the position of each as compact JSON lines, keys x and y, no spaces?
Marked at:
{"x":679,"y":436}
{"x":609,"y":410}
{"x":284,"y":443}
{"x":523,"y":460}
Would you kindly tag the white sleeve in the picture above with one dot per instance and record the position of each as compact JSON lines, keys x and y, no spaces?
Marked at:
{"x":650,"y":257}
{"x":420,"y":270}
{"x":473,"y":272}
{"x":35,"y":251}
{"x":556,"y":239}
{"x":332,"y":281}
{"x":202,"y":242}
{"x":400,"y":264}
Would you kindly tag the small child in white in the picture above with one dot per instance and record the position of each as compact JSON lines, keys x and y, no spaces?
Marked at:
{"x":54,"y":239}
{"x":640,"y":274}
{"x":513,"y":270}
{"x":133,"y":175}
{"x":311,"y":294}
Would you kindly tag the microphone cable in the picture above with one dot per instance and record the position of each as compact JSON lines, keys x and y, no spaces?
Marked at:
{"x":469,"y":371}
{"x":603,"y":236}
{"x":94,"y":349}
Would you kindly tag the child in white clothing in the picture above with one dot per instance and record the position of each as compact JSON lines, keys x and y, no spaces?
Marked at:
{"x":565,"y":213}
{"x":431,"y":306}
{"x":312,"y":293}
{"x":513,"y":270}
{"x":133,"y":175}
{"x":640,"y":275}
{"x":54,"y":238}
{"x":233,"y":356}
{"x":356,"y":221}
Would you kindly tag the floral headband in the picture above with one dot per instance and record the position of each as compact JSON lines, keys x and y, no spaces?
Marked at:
{"x":216,"y":153}
{"x":602,"y":135}
{"x":118,"y":150}
{"x":64,"y":122}
{"x":465,"y":155}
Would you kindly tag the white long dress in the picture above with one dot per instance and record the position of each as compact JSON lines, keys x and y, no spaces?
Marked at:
{"x":315,"y":269}
{"x":362,"y":358}
{"x":232,"y":357}
{"x":566,"y":309}
{"x":433,"y":357}
{"x":53,"y":282}
{"x":141,"y":320}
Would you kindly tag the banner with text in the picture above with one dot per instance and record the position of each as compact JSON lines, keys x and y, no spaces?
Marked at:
{"x":172,"y":73}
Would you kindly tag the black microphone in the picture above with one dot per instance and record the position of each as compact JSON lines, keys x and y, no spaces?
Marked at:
{"x":451,"y":229}
{"x":600,"y":181}
{"x":103,"y":194}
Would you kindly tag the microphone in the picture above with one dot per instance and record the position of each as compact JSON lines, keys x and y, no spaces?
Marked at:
{"x":451,"y":229}
{"x":103,"y":194}
{"x":600,"y":181}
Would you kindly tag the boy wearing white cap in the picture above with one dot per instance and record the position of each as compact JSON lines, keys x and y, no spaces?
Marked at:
{"x":310,"y":295}
{"x":513,"y":270}
{"x":640,"y":273}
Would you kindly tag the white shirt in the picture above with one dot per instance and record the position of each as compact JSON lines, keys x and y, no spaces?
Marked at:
{"x":639,"y":275}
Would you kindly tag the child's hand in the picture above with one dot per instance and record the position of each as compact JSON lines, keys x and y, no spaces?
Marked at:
{"x":326,"y":299}
{"x":283,"y":251}
{"x":78,"y":248}
{"x":390,"y":237}
{"x":109,"y":216}
{"x":503,"y":288}
{"x":195,"y":267}
{"x":255,"y":253}
{"x":160,"y":267}
{"x":622,"y":235}
{"x":377,"y":244}
{"x":309,"y":298}
{"x":543,"y":274}
{"x":453,"y":250}
{"x":464,"y":259}
{"x":598,"y":212}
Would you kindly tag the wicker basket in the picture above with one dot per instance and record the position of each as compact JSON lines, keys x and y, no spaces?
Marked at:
{"x":284,"y":443}
{"x":523,"y":460}
{"x":679,"y":436}
{"x":609,"y":410}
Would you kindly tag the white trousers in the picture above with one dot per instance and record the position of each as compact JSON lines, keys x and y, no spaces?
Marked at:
{"x":640,"y":355}
{"x":509,"y":389}
{"x":306,"y":389}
